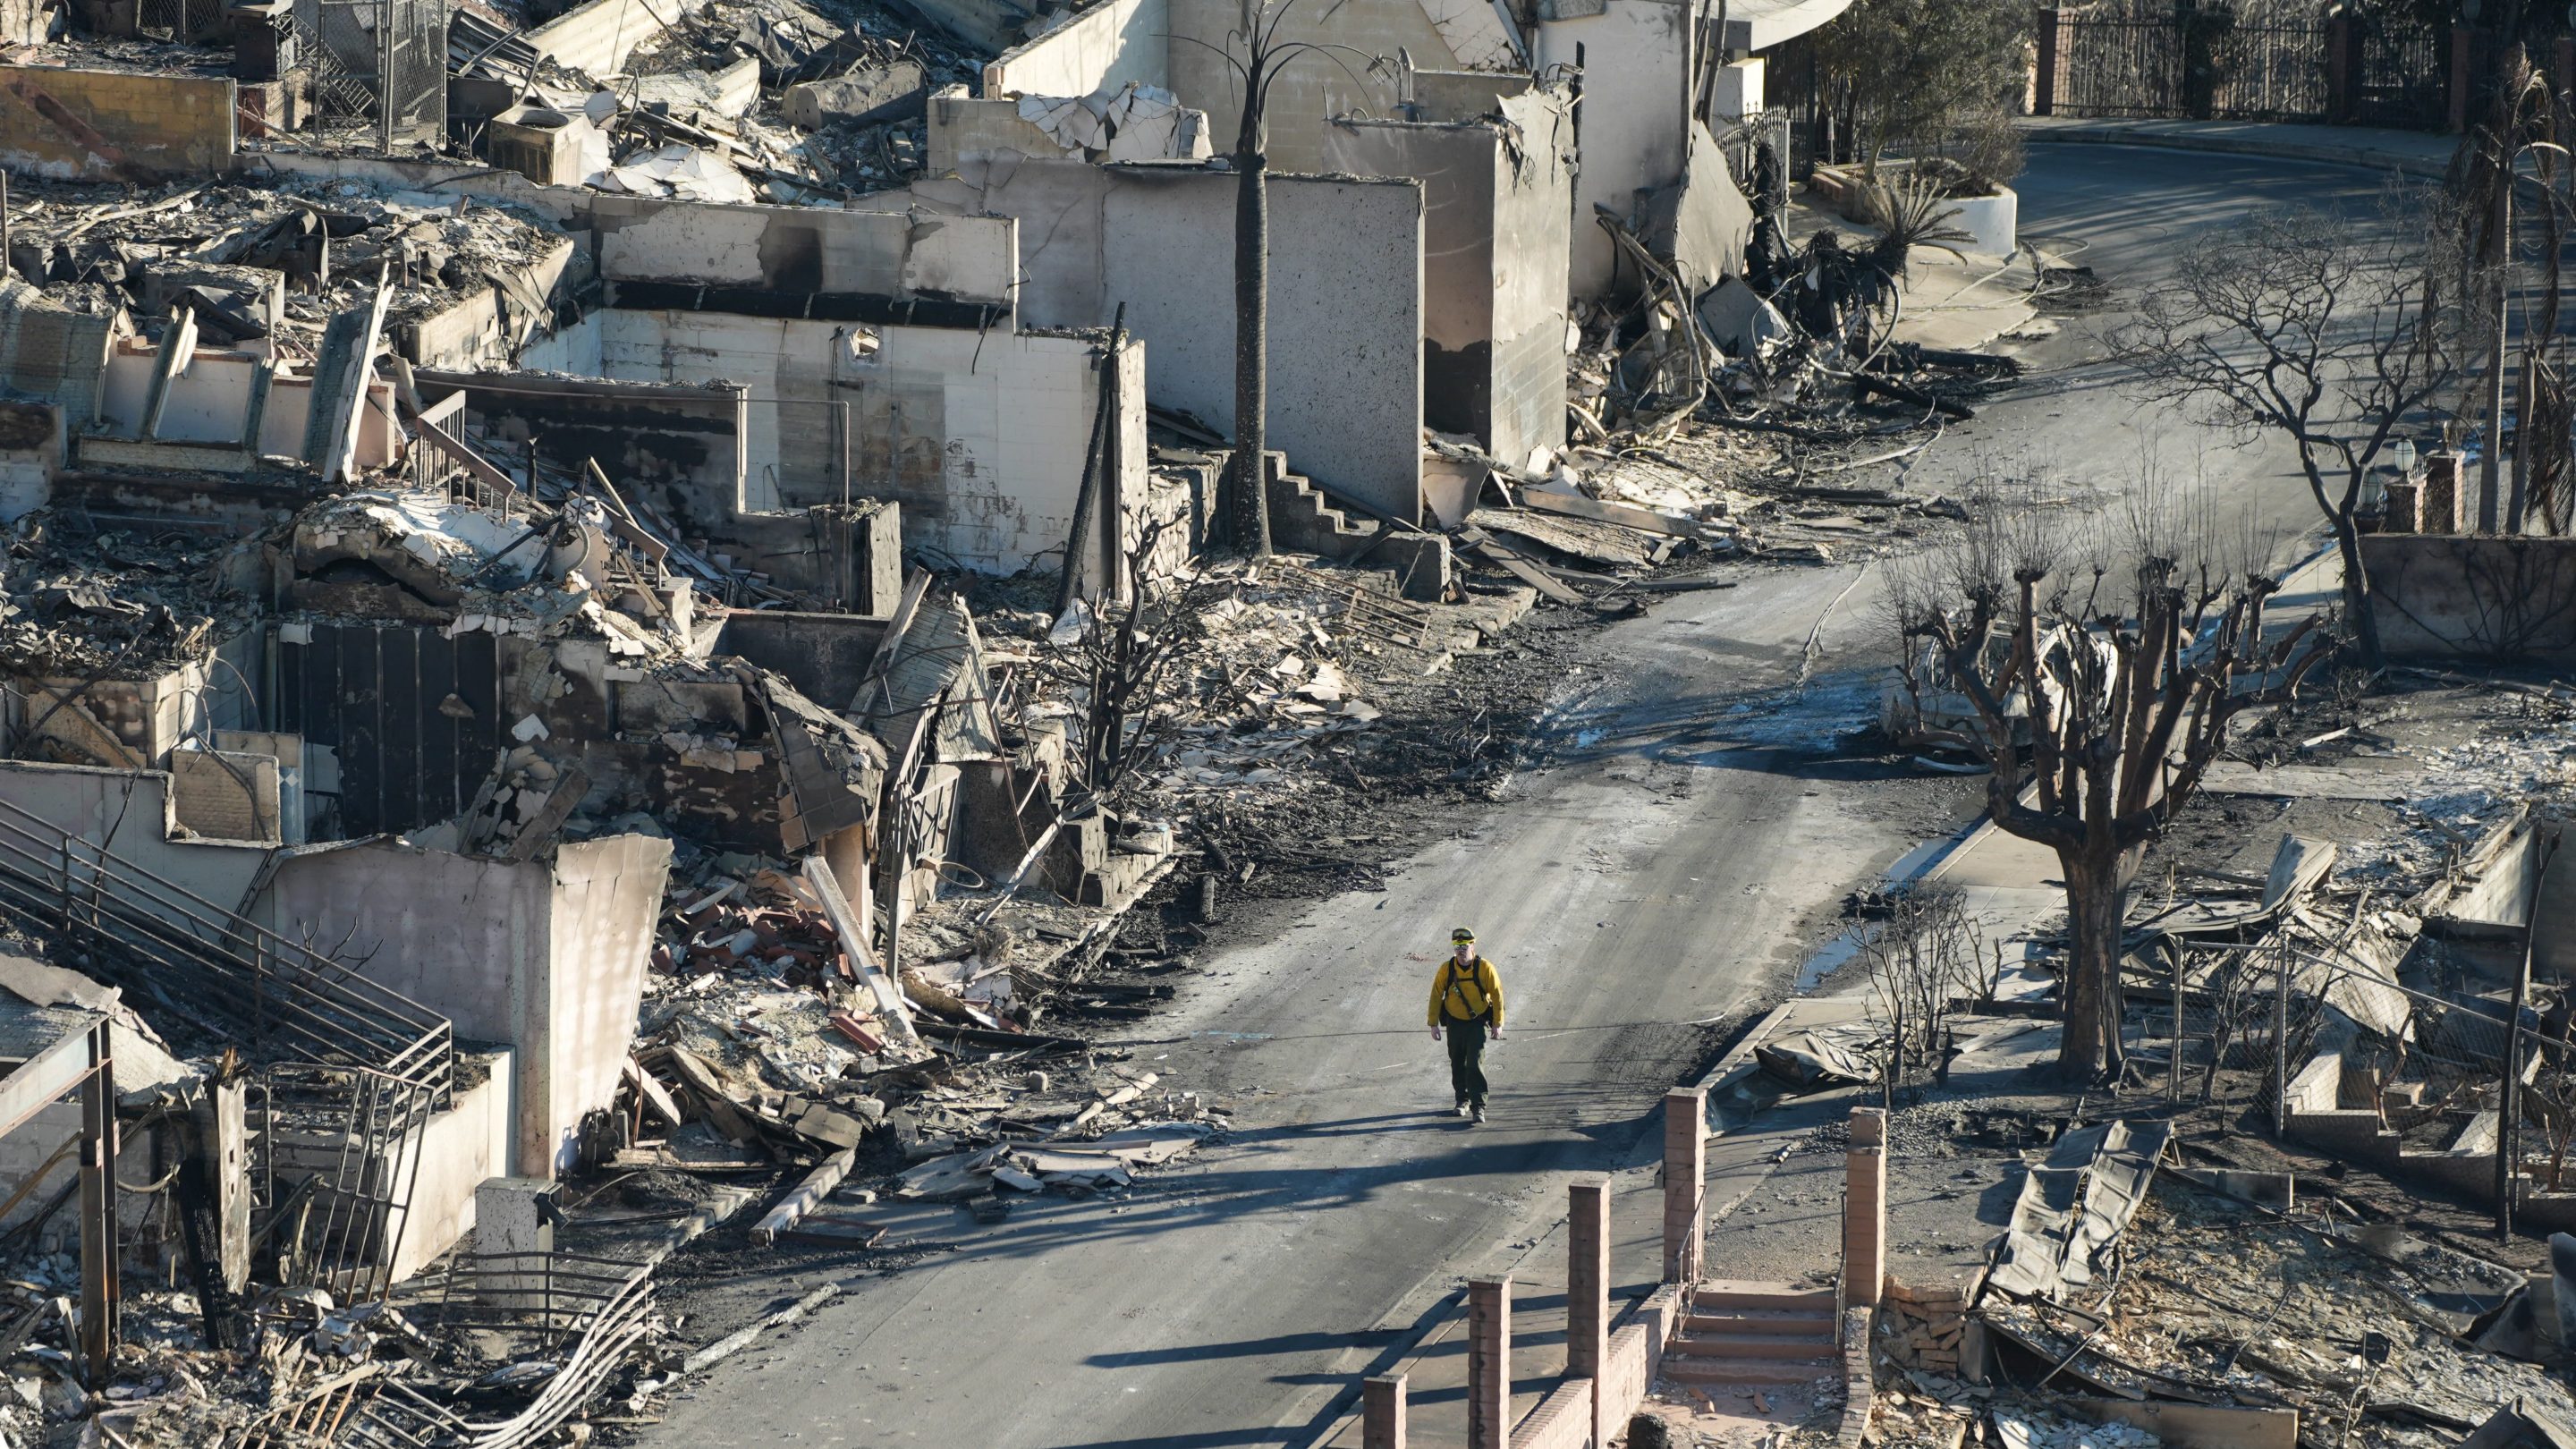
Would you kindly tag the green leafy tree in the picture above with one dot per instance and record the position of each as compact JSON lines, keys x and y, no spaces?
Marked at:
{"x":1923,"y":75}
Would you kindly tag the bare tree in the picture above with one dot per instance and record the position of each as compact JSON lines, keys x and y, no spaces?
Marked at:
{"x":1126,"y":668}
{"x":1266,"y":56}
{"x":2316,"y":328}
{"x":2100,"y":689}
{"x":1922,"y":958}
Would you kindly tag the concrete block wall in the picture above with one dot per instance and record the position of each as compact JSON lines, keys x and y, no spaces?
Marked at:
{"x":979,"y":437}
{"x":102,"y":125}
{"x":2475,"y":597}
{"x":1307,"y":94}
{"x":598,"y":37}
{"x":51,"y":352}
{"x":1099,"y":49}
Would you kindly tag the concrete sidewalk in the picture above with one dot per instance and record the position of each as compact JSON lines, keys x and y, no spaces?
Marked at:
{"x":2421,"y":154}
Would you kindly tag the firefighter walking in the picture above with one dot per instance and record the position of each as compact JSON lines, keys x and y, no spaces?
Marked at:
{"x":1467,"y":1004}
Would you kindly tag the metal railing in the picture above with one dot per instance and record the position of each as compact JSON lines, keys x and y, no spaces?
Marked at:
{"x":276,"y":1000}
{"x":344,"y":1228}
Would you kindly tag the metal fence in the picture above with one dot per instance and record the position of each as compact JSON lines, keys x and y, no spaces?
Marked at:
{"x":2401,"y":75}
{"x":2193,"y":65}
{"x":381,"y":64}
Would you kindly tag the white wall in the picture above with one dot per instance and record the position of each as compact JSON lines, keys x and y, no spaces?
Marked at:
{"x":807,"y":249}
{"x":607,"y":896}
{"x":1316,"y":86}
{"x":1345,"y":285}
{"x":1100,"y":49}
{"x":980,"y":436}
{"x":1632,"y":115}
{"x":545,"y":958}
{"x":210,"y":403}
{"x":127,"y":812}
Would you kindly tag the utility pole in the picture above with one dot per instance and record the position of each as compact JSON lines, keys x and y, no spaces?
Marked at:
{"x":2490,"y":457}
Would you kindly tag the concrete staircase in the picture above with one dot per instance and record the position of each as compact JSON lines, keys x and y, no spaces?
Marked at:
{"x":1303,"y":519}
{"x":1755,"y":1333}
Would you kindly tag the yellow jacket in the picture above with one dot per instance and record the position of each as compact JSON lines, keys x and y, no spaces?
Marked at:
{"x":1463,"y":994}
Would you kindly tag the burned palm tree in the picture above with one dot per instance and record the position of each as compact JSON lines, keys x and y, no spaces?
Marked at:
{"x":1265,"y":57}
{"x":2522,"y":120}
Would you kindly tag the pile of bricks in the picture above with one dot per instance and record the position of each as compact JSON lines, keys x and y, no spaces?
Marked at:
{"x":1920,"y":1327}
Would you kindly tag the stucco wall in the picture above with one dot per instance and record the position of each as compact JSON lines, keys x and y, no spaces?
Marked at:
{"x":2443,"y":596}
{"x":607,"y":896}
{"x":1493,"y":327}
{"x":1315,"y":86}
{"x":1632,"y":109}
{"x":1345,"y":285}
{"x":127,"y":812}
{"x":546,"y":959}
{"x":980,"y":437}
{"x":805,"y":249}
{"x":1102,"y":48}
{"x":101,"y":125}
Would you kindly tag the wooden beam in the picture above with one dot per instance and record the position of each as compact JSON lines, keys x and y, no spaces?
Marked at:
{"x":854,"y":941}
{"x":1645,"y":520}
{"x":1529,"y":573}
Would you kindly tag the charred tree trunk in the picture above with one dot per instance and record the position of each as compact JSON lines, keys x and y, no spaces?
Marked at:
{"x":2096,"y":902}
{"x":1249,"y":515}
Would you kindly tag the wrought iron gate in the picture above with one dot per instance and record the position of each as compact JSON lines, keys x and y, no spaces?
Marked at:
{"x":2198,"y":63}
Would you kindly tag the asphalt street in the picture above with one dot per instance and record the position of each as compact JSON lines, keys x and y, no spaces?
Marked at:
{"x":1670,"y":863}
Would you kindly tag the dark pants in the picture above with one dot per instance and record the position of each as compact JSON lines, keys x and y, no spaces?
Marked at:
{"x":1466,"y":1058}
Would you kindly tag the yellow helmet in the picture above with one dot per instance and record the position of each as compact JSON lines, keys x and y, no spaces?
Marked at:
{"x":1462,"y":934}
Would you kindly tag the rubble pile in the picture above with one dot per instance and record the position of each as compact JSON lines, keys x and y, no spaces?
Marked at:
{"x":840,"y":102}
{"x":2222,"y":1302}
{"x":113,"y":604}
{"x":276,"y":261}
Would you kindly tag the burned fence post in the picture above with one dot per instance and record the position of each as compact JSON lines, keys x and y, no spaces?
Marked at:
{"x":98,"y":1208}
{"x":2281,"y":1041}
{"x":2173,"y":1072}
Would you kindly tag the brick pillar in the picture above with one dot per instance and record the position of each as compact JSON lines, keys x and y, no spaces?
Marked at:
{"x":1382,"y":1412}
{"x":1685,"y":1167}
{"x":1489,"y":1363}
{"x":2439,"y":498}
{"x":2043,"y":84}
{"x":1587,"y":1293}
{"x":2403,"y":512}
{"x":2463,"y":44}
{"x":1865,"y":1209}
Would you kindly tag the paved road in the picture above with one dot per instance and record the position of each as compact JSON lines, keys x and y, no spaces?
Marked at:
{"x":1656,"y":871}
